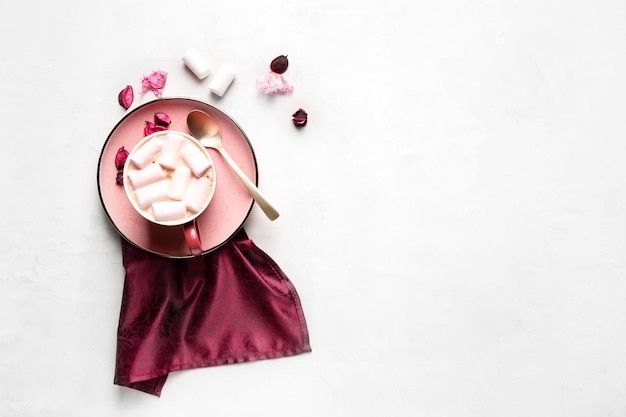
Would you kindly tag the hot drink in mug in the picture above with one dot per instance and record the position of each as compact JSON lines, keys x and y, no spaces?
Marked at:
{"x":169,"y":178}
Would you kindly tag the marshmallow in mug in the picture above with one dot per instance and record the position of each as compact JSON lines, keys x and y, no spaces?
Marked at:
{"x":146,"y":176}
{"x":151,"y":193}
{"x":167,"y":170}
{"x":147,"y":153}
{"x":180,"y":182}
{"x":195,"y":160}
{"x":168,"y":157}
{"x":197,"y":188}
{"x":168,"y":210}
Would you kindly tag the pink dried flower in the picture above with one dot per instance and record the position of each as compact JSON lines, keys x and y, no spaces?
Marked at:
{"x":273,"y":83}
{"x":152,"y":127}
{"x":154,"y":82}
{"x":162,"y":119}
{"x":126,"y":97}
{"x":300,"y":117}
{"x":120,"y":158}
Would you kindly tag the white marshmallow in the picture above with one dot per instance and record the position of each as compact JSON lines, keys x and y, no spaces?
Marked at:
{"x":222,"y":80}
{"x":148,"y":175}
{"x":197,"y":193}
{"x":152,"y":193}
{"x":171,"y":148}
{"x":197,"y":64}
{"x":180,"y":182}
{"x":147,"y":153}
{"x":195,"y":159}
{"x":168,"y":210}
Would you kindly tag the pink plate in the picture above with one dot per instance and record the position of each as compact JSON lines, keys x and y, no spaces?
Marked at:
{"x":231,"y":202}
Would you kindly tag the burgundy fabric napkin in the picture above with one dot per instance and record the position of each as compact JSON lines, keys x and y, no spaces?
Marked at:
{"x":229,"y":306}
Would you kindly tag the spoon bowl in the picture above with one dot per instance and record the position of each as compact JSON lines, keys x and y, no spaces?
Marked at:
{"x":204,"y":128}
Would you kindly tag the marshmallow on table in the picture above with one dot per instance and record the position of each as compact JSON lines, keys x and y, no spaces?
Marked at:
{"x":171,"y":147}
{"x":168,"y":210}
{"x":197,"y":64}
{"x":195,"y":159}
{"x":197,"y":193}
{"x":152,"y":193}
{"x":180,"y":182}
{"x":147,"y":153}
{"x":148,"y":175}
{"x":222,"y":80}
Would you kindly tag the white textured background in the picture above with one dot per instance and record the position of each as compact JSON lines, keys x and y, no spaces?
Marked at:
{"x":453,"y":216}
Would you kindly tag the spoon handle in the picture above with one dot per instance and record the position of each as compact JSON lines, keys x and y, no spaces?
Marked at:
{"x":263,"y":203}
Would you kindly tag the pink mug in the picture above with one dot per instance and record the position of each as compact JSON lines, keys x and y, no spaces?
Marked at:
{"x":169,"y":179}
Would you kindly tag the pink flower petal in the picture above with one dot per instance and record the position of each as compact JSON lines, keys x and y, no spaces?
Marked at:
{"x":162,"y":119}
{"x":120,"y":158}
{"x":154,"y":82}
{"x":273,"y":83}
{"x":126,"y":97}
{"x":150,"y":128}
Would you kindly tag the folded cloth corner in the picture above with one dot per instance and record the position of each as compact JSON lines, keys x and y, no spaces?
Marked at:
{"x":229,"y":306}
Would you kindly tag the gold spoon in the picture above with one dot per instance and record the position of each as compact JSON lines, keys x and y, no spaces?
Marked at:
{"x":204,"y":128}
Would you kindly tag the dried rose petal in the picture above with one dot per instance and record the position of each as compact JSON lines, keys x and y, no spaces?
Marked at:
{"x":119,"y":178}
{"x":300,"y":117}
{"x":273,"y":83}
{"x":279,"y":64}
{"x":120,"y":158}
{"x":154,"y":82}
{"x":126,"y":97}
{"x":162,"y":119}
{"x":151,"y":128}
